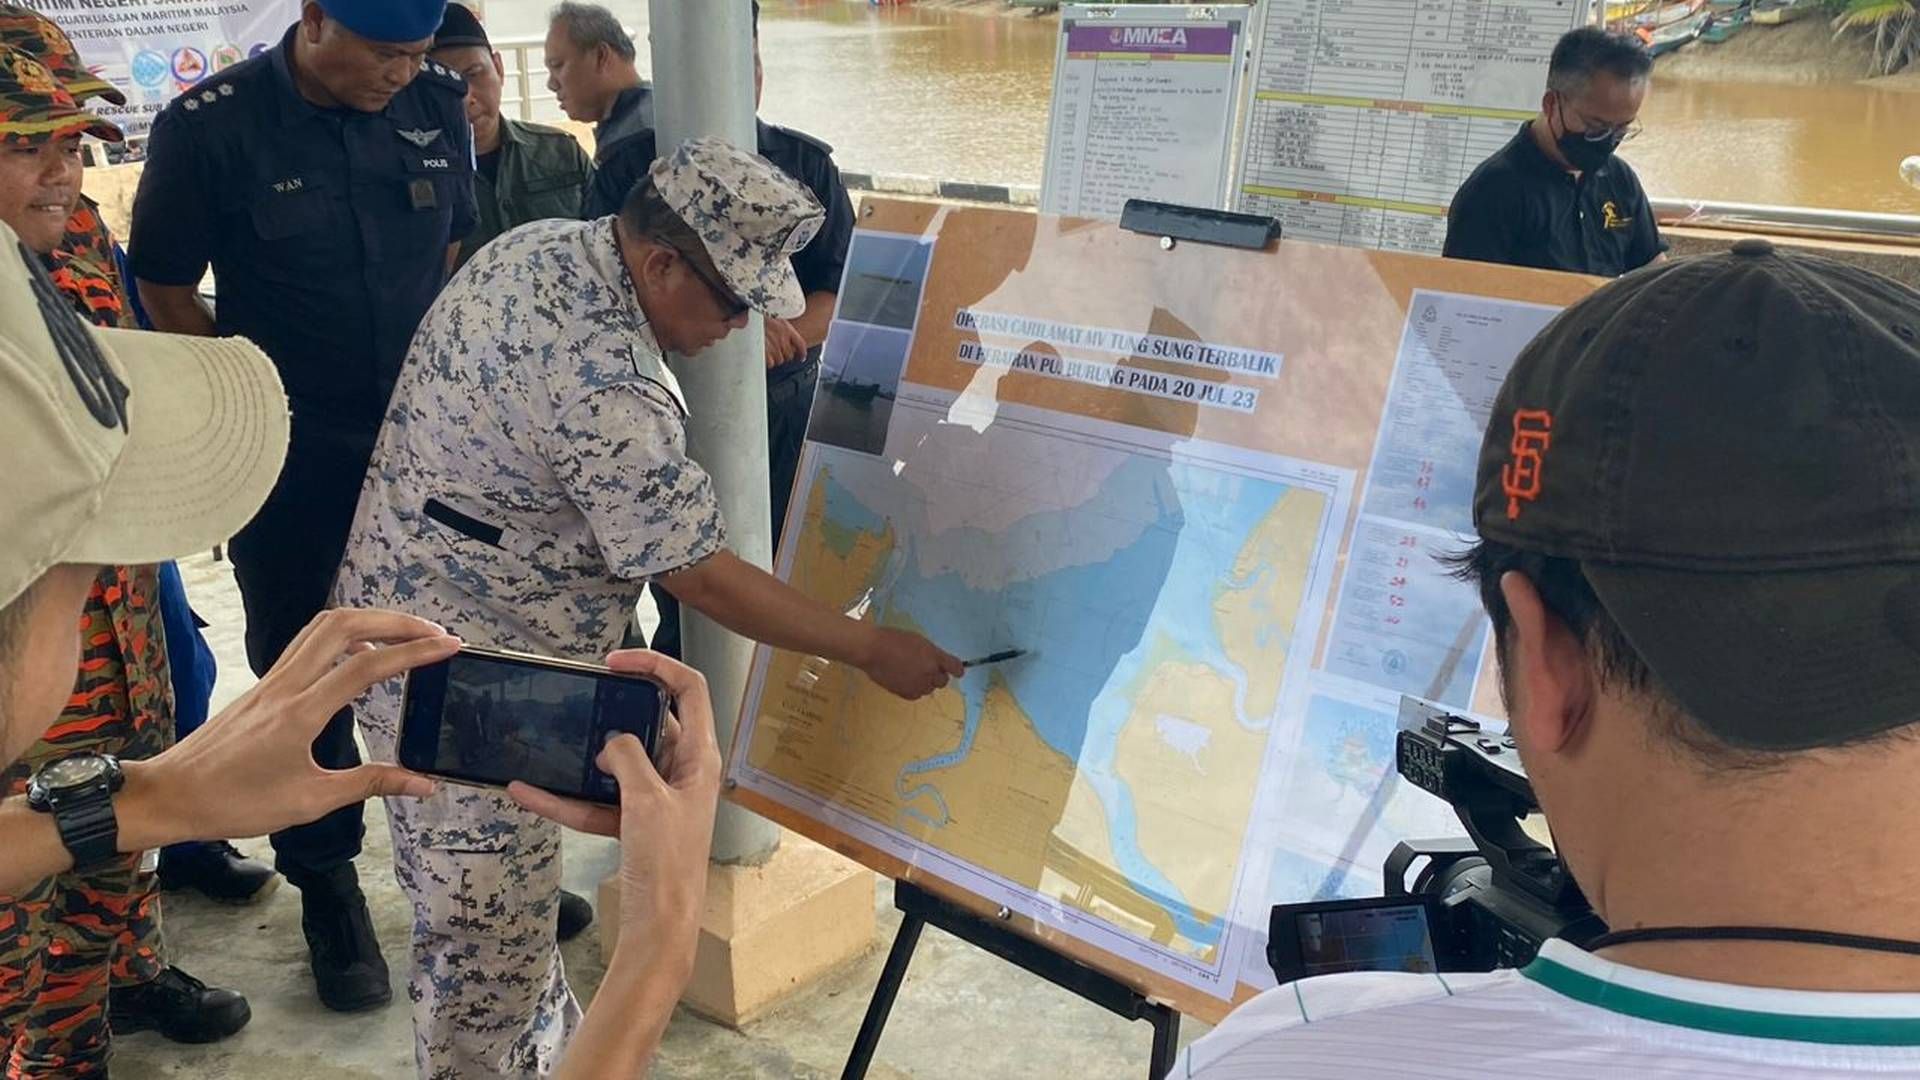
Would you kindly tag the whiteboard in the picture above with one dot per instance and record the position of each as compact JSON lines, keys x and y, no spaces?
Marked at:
{"x":1143,"y":105}
{"x":1366,"y":115}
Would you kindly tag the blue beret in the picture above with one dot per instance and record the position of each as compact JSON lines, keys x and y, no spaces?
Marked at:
{"x":388,"y":20}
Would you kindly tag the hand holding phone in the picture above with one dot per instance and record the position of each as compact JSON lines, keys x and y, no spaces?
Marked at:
{"x":665,"y":825}
{"x":490,"y":717}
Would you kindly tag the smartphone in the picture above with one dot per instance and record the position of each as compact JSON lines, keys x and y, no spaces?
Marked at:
{"x":487,"y":717}
{"x":1382,"y":933}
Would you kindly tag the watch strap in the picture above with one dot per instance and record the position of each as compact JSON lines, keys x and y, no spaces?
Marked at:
{"x":85,"y":817}
{"x":88,"y":826}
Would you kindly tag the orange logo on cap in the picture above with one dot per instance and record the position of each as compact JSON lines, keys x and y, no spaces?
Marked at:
{"x":1520,"y":479}
{"x":33,"y":77}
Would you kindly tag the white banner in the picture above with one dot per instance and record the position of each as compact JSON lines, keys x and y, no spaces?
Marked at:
{"x":154,"y":49}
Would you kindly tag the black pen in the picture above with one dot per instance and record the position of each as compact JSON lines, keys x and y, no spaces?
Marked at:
{"x":995,"y":658}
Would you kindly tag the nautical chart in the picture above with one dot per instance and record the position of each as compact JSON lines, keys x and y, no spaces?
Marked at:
{"x":1212,"y":526}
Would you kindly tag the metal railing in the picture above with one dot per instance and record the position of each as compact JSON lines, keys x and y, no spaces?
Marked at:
{"x":526,"y":75}
{"x":1702,"y":213}
{"x":1733,"y":215}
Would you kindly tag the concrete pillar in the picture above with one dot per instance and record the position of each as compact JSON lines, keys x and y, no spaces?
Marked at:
{"x":777,"y":916}
{"x":703,"y":85}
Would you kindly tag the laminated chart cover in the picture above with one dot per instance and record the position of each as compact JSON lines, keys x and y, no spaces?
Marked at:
{"x":1204,"y":490}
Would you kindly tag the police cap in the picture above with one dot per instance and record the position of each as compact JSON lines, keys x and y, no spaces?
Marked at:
{"x":390,"y":21}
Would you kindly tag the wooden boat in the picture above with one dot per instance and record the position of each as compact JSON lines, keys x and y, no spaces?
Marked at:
{"x":1664,"y":15}
{"x":1779,"y":14}
{"x":1623,"y":12}
{"x":1725,"y":26}
{"x":1673,"y":35}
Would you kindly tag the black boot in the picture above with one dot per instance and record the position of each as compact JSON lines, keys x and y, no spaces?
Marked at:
{"x":218,"y":872}
{"x":179,"y":1007}
{"x":576,"y":914}
{"x":348,"y":969}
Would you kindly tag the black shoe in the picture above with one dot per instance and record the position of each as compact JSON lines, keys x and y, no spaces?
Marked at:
{"x":348,"y":969}
{"x":179,"y":1007}
{"x":575,"y":915}
{"x":218,"y":872}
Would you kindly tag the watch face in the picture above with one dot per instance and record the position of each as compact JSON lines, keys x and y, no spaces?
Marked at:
{"x":73,"y":772}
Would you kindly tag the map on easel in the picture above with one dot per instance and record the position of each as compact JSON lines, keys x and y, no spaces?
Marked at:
{"x":1202,"y":488}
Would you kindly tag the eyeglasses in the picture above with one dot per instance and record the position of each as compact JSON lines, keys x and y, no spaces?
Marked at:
{"x":1620,"y":132}
{"x":731,"y":304}
{"x":1623,"y":132}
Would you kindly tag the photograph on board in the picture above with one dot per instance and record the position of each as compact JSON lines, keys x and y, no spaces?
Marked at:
{"x":859,"y":378}
{"x":885,"y":277}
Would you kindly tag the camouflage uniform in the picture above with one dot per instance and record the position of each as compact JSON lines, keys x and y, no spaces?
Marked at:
{"x":531,"y":477}
{"x":63,"y":943}
{"x":87,"y":270}
{"x":533,"y":400}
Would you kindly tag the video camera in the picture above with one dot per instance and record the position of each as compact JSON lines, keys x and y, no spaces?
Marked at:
{"x":1474,"y":904}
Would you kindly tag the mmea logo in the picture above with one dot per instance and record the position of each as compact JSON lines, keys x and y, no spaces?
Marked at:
{"x":1173,"y":37}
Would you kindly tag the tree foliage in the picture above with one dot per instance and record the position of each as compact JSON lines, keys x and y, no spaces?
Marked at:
{"x":1894,"y":25}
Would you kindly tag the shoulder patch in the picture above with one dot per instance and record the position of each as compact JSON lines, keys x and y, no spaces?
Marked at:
{"x":434,"y":73}
{"x":802,"y":137}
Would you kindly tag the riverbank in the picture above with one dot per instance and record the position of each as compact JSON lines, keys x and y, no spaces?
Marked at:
{"x":1798,"y":53}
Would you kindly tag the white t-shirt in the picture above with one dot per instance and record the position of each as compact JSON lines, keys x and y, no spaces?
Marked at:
{"x":1568,"y":1015}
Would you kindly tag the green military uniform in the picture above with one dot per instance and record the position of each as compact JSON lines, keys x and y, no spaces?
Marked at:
{"x":543,"y":172}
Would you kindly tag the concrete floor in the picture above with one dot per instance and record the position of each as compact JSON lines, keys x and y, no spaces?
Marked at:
{"x":962,"y":1013}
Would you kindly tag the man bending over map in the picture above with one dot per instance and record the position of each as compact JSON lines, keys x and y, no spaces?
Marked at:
{"x":532,"y":477}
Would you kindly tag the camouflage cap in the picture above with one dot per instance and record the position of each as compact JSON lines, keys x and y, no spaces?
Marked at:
{"x":752,"y":217}
{"x":34,"y":33}
{"x":35,"y":107}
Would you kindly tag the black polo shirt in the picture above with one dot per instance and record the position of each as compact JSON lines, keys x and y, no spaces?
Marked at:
{"x":1521,"y":208}
{"x":327,"y":229}
{"x":803,"y":157}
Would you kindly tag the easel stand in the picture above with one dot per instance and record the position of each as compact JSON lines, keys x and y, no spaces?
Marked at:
{"x":922,"y":909}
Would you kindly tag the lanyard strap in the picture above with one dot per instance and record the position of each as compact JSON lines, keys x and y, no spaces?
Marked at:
{"x":1828,"y":938}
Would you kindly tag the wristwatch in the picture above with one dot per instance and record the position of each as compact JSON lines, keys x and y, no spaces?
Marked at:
{"x":78,"y":791}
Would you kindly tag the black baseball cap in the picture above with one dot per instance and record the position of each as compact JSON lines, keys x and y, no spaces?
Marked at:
{"x":460,"y":26}
{"x":1730,"y":447}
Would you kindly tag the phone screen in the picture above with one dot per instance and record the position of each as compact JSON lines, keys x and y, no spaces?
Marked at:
{"x":490,"y":720}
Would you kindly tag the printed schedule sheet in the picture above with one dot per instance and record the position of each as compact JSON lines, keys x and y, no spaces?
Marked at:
{"x":1368,"y":114}
{"x":1143,"y":107}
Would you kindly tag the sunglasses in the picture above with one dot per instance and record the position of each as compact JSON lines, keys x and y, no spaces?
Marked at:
{"x":729,"y":303}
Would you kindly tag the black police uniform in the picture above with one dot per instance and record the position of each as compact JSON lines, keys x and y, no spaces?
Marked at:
{"x":818,"y":266}
{"x":327,"y":231}
{"x":1520,"y":207}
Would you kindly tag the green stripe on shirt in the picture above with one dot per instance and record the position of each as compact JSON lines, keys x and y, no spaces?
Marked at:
{"x":1626,"y":1001}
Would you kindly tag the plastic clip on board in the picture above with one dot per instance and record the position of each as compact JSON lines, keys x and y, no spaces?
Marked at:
{"x":1221,"y":228}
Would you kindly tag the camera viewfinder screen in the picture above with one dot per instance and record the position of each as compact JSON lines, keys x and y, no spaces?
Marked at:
{"x":1394,"y":938}
{"x":505,"y":721}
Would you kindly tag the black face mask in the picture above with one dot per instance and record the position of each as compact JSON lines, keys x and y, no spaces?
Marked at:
{"x":1583,"y":153}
